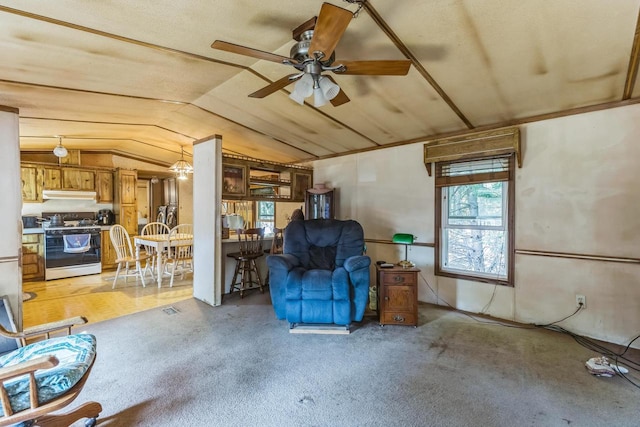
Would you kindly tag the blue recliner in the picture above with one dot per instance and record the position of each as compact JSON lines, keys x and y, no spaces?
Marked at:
{"x":322,"y":276}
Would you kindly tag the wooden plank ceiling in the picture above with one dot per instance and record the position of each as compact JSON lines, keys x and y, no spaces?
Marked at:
{"x":141,"y":79}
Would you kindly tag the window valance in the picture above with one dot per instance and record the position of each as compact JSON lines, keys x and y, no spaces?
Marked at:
{"x":483,"y":144}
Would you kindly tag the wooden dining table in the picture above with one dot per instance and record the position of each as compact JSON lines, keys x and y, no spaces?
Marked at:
{"x":161,"y":244}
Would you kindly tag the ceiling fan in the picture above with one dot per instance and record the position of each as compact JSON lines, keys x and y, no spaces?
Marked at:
{"x":313,"y":54}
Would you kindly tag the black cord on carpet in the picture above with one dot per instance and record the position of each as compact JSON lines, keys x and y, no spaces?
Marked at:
{"x":583,"y":341}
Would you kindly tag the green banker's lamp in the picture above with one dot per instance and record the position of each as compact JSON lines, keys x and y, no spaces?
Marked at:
{"x":406,"y":240}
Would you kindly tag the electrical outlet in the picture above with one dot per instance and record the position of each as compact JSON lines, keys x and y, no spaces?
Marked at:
{"x":581,"y":301}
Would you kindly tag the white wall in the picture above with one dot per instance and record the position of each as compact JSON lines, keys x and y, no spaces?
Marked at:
{"x":577,"y":193}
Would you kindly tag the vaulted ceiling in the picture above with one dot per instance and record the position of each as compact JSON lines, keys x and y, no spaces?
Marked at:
{"x":139,"y":78}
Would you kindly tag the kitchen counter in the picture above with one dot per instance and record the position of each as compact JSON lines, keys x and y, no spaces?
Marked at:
{"x":38,"y":230}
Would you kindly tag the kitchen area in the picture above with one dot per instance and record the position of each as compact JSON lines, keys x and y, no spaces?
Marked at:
{"x":68,"y":207}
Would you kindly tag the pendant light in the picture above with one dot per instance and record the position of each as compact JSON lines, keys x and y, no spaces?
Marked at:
{"x":181,"y":168}
{"x":60,"y":151}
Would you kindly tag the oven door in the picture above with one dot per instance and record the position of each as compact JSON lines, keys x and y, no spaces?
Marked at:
{"x":74,"y":247}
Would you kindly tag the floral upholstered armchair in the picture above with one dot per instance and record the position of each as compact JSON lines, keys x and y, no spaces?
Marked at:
{"x":39,"y":379}
{"x":322,"y":276}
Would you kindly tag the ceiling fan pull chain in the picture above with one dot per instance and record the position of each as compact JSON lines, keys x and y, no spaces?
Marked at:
{"x":360,"y":4}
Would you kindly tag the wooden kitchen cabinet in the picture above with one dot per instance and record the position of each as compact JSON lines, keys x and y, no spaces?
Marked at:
{"x":31,"y":177}
{"x":397,"y":295}
{"x":125,"y":205}
{"x":52,"y":179}
{"x":104,"y":187}
{"x":301,"y":181}
{"x":108,"y":256}
{"x":32,"y":257}
{"x":78,"y":179}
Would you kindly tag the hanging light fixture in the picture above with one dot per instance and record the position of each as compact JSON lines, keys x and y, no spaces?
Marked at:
{"x":60,"y":151}
{"x":181,"y":168}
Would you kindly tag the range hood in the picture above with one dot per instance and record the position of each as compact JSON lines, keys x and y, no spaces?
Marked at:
{"x":68,"y":195}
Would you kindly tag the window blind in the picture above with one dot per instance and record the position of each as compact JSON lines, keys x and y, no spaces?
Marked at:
{"x":490,"y":169}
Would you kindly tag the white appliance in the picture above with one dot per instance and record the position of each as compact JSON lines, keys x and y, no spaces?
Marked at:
{"x":11,"y":196}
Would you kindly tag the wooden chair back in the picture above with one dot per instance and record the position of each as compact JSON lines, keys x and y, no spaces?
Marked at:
{"x":277,"y":244}
{"x":121,"y":242}
{"x":154,"y":228}
{"x":251,"y":241}
{"x":181,"y":251}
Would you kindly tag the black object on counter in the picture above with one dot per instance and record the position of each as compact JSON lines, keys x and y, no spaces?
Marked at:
{"x":106,"y":217}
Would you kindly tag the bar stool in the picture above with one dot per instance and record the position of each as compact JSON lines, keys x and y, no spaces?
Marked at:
{"x":277,"y":247}
{"x":246,"y":275}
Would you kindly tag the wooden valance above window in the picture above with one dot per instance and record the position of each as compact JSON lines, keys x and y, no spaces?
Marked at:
{"x":477,"y":145}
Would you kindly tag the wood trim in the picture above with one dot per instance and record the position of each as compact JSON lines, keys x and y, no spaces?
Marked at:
{"x":106,"y":123}
{"x":9,"y":259}
{"x":510,"y":123}
{"x":9,"y":109}
{"x":414,"y":61}
{"x":93,"y":92}
{"x":207,"y":139}
{"x":588,"y":257}
{"x":632,"y":70}
{"x":390,"y":242}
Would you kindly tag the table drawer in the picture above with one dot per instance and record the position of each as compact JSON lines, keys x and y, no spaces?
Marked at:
{"x":398,"y":318}
{"x":398,"y":278}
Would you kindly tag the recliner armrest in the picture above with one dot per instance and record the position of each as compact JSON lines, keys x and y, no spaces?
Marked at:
{"x":283,"y":261}
{"x":354,"y":263}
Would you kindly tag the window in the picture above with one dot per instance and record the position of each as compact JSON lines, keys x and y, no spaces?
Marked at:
{"x":266,"y":216}
{"x":475,"y":233}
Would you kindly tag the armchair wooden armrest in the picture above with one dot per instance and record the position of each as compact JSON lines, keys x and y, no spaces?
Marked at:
{"x":45,"y":329}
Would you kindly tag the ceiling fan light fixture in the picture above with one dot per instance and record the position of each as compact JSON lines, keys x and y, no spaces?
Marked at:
{"x":60,"y":150}
{"x":329,"y":89}
{"x":296,"y":94}
{"x":318,"y":98}
{"x":302,"y":89}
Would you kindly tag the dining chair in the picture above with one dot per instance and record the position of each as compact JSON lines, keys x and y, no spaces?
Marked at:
{"x":250,"y":244}
{"x":152,"y":229}
{"x":125,"y":256}
{"x":181,"y":254}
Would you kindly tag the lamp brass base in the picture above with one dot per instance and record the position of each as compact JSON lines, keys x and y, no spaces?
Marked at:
{"x":406,"y":264}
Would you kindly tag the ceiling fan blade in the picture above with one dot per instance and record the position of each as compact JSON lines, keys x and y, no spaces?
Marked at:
{"x":247,"y":51}
{"x":341,"y":97}
{"x":378,"y":68}
{"x":275,"y":86}
{"x":332,"y":23}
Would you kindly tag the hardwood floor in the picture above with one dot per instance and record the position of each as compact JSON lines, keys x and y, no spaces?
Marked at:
{"x":92,"y":297}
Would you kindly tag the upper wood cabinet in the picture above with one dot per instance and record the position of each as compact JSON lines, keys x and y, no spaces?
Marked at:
{"x":52,"y":179}
{"x":38,"y":177}
{"x":301,"y":182}
{"x":78,"y":179}
{"x":104,"y":187}
{"x":127,"y":186}
{"x":125,"y":201}
{"x":31,"y":177}
{"x":252,"y":179}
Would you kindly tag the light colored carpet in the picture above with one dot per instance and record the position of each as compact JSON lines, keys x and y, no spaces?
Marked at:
{"x":236,"y":365}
